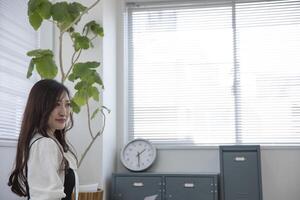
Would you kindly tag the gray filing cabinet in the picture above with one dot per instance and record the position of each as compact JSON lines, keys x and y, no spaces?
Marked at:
{"x":240,"y":172}
{"x":138,"y":186}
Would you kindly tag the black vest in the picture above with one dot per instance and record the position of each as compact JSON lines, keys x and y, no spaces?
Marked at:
{"x":69,"y":183}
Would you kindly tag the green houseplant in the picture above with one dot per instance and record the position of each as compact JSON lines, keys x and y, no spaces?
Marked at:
{"x":84,"y":76}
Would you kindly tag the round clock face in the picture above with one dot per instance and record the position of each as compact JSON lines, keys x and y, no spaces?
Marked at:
{"x":138,"y":155}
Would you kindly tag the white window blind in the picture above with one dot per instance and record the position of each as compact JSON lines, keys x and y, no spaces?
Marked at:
{"x":214,"y":72}
{"x":16,"y":38}
{"x":268,"y":38}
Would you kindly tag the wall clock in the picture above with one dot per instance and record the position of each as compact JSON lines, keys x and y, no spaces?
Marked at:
{"x":138,"y":155}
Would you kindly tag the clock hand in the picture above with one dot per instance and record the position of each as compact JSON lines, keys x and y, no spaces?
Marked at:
{"x":138,"y":156}
{"x":142,"y":151}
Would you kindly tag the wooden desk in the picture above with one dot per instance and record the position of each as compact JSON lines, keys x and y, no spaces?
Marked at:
{"x":90,"y":195}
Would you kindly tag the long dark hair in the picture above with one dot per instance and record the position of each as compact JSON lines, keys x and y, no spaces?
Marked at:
{"x":41,"y":102}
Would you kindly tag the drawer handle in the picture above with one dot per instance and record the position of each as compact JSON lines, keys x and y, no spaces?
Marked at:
{"x":240,"y":158}
{"x":189,"y":185}
{"x":138,"y":184}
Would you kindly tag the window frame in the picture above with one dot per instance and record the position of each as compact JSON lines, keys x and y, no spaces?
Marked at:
{"x":123,"y":102}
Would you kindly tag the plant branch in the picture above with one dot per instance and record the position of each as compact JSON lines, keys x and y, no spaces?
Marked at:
{"x":73,"y":62}
{"x":94,"y":139}
{"x":77,"y":57}
{"x":79,"y":16}
{"x":89,"y":118}
{"x":104,"y":121}
{"x":61,"y":57}
{"x":93,"y":38}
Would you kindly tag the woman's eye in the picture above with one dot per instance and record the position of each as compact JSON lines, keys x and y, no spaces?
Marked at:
{"x":68,"y":104}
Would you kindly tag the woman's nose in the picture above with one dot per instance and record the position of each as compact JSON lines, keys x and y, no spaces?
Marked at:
{"x":62,"y":111}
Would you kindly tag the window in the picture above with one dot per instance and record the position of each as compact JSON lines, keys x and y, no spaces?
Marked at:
{"x":16,"y":38}
{"x":214,"y":72}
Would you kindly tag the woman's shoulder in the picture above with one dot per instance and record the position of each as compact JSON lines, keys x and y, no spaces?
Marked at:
{"x":42,"y":142}
{"x":40,"y":139}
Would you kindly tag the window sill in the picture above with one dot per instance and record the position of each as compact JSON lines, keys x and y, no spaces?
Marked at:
{"x":216,"y":147}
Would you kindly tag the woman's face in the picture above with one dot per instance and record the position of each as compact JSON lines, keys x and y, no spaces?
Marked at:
{"x":60,"y":114}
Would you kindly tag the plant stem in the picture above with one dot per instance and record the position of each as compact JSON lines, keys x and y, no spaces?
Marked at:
{"x":79,"y":16}
{"x":89,"y":117}
{"x":93,"y":38}
{"x":94,"y":139}
{"x":73,"y":63}
{"x":60,"y":57}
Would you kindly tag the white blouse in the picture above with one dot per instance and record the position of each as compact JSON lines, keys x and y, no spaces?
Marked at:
{"x":45,"y":176}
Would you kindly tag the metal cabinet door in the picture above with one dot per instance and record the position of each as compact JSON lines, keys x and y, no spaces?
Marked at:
{"x":137,"y":188}
{"x":241,"y":175}
{"x":190,"y":188}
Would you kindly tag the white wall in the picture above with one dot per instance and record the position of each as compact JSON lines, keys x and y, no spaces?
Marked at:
{"x":110,"y":92}
{"x":281,"y":174}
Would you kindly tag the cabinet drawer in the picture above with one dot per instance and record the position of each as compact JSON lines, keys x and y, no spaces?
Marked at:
{"x":137,"y":187}
{"x":191,"y":187}
{"x":155,"y":186}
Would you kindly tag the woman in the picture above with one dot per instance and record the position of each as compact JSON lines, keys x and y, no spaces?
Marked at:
{"x":45,"y":166}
